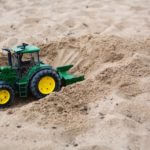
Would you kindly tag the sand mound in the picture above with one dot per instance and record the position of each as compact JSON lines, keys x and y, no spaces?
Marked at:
{"x":113,"y":97}
{"x":109,"y":63}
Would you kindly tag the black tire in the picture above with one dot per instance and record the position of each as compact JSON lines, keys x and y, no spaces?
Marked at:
{"x":36,"y":78}
{"x":7,"y":87}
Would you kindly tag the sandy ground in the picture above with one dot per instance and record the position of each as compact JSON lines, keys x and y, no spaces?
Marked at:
{"x":109,"y":42}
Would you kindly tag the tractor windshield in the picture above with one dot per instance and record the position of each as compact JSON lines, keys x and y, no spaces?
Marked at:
{"x":25,"y":60}
{"x":32,"y":58}
{"x":35,"y":57}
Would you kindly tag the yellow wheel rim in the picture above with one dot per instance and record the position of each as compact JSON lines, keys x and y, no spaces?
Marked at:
{"x":4,"y":96}
{"x":46,"y":85}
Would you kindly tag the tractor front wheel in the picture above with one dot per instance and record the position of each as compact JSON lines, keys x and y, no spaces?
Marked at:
{"x":45,"y":82}
{"x":6,"y":95}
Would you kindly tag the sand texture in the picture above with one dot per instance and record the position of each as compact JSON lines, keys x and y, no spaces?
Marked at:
{"x":109,"y":42}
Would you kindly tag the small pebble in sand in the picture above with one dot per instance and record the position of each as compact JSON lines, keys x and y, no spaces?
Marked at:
{"x":34,"y":141}
{"x":75,"y":144}
{"x":9,"y":112}
{"x":102,"y":116}
{"x":18,"y":126}
{"x":85,"y":108}
{"x":54,"y":127}
{"x":60,"y":109}
{"x":7,"y":125}
{"x":67,"y":145}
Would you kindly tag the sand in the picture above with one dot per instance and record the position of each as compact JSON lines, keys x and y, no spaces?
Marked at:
{"x":109,"y":42}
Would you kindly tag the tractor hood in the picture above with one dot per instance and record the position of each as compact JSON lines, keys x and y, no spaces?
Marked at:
{"x":7,"y":74}
{"x":4,"y":68}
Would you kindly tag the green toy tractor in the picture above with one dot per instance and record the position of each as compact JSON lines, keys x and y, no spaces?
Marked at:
{"x":26,"y":73}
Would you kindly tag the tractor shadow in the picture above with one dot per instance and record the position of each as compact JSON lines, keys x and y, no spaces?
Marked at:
{"x":19,"y":102}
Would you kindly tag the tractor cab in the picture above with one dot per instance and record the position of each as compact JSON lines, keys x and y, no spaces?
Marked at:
{"x":23,"y":57}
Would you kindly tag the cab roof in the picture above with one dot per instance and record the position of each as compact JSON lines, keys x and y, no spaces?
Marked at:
{"x":25,"y":49}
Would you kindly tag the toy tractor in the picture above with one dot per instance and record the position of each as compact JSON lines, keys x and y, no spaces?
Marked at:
{"x":26,"y":73}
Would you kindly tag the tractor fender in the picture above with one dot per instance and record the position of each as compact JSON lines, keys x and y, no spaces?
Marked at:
{"x":6,"y":83}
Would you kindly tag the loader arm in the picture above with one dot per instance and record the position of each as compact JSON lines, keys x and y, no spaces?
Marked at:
{"x":66,"y":77}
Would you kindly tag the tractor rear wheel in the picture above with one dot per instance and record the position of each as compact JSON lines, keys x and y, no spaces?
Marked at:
{"x":6,"y":95}
{"x":45,"y":82}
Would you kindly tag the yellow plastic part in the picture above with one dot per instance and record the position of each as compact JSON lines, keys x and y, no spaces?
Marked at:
{"x":46,"y":85}
{"x":4,"y":96}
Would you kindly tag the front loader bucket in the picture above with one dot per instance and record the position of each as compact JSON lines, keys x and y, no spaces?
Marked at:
{"x":66,"y":77}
